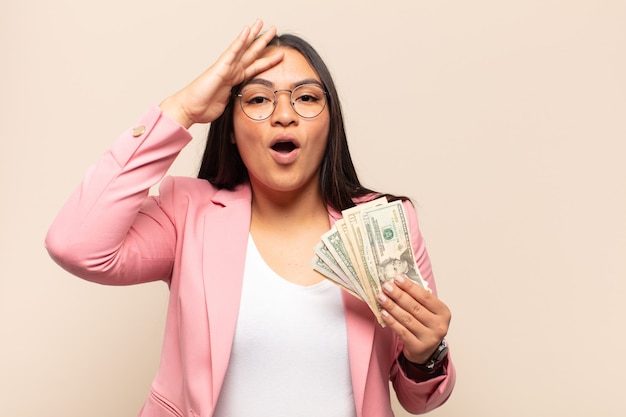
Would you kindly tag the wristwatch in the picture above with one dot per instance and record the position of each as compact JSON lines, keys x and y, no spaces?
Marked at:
{"x":436,"y":359}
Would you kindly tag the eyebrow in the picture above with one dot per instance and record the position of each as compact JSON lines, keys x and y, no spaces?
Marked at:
{"x":270,"y":84}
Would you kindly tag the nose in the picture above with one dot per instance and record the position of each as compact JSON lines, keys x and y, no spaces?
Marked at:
{"x":284,"y":114}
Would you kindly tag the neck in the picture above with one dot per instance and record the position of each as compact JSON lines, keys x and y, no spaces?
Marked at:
{"x":285,"y":228}
{"x":287,"y":210}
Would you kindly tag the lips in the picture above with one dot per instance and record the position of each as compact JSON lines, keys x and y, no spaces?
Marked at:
{"x":285,"y":149}
{"x":284,"y":144}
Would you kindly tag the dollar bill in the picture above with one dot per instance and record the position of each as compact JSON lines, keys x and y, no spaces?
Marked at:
{"x":326,"y":264}
{"x":353,"y":230}
{"x":336,"y":247}
{"x":323,"y":268}
{"x":368,"y":246}
{"x":390,"y":240}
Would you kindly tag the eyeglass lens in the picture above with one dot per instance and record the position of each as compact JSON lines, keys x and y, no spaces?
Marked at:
{"x":258,"y":103}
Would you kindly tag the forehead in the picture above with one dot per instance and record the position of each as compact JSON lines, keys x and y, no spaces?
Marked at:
{"x":290,"y":71}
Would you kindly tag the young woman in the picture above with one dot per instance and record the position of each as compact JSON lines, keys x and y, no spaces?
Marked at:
{"x":251,"y":329}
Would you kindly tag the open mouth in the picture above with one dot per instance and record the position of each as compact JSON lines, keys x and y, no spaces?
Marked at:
{"x":284,"y":147}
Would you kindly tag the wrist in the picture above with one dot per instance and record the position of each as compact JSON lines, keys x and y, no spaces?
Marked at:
{"x":174,"y":111}
{"x":434,"y":363}
{"x":417,"y":372}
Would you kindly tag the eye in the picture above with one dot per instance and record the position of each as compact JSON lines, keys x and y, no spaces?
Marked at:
{"x":254,"y":100}
{"x":258,"y":100}
{"x":257,"y":96}
{"x":308,"y":94}
{"x":307,"y":98}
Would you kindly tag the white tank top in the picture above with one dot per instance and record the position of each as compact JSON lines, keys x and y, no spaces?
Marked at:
{"x":290,"y":350}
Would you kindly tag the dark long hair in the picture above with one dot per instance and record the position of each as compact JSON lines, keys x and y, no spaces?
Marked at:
{"x":339,"y":184}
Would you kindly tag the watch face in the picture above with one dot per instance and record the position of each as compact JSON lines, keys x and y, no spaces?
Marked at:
{"x":442,"y":354}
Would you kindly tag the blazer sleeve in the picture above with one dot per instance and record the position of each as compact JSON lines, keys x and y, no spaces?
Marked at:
{"x":424,"y":396}
{"x":110,"y":231}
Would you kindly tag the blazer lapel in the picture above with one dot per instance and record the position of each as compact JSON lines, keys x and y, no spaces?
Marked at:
{"x":226,"y":231}
{"x":360,"y":323}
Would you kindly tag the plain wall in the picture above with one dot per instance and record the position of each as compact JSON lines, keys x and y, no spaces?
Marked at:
{"x":504,"y":120}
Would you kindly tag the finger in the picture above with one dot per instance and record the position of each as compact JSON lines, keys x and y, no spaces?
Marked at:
{"x":401,"y":312}
{"x":425,"y":309}
{"x":419,"y":340}
{"x":409,"y":330}
{"x":423,"y":296}
{"x":417,"y":326}
{"x":245,"y":38}
{"x":263,"y":64}
{"x":255,"y":49}
{"x":245,"y":50}
{"x":254,"y":30}
{"x":410,"y":304}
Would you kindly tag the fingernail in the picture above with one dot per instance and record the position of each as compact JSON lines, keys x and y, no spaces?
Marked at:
{"x":399,"y":279}
{"x":382,"y":297}
{"x":387,"y":286}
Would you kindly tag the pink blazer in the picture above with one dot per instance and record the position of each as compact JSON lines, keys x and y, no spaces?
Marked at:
{"x":194,"y":237}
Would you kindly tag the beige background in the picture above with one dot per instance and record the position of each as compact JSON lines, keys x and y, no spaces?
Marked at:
{"x":504,"y":120}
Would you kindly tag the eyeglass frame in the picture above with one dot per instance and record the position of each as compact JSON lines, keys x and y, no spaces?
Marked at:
{"x":291,"y":102}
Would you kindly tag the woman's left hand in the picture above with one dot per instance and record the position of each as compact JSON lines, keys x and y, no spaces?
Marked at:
{"x":419,"y":318}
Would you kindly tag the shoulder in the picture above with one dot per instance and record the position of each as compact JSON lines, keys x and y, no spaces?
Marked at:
{"x":406,"y":202}
{"x":196,"y":191}
{"x":177,"y":184}
{"x":174,"y":187}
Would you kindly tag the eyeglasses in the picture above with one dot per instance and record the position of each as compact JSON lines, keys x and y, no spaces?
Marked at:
{"x":258,"y":103}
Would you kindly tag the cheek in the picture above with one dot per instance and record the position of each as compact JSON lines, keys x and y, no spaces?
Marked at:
{"x":244,"y":130}
{"x":321,"y":135}
{"x":240,"y":125}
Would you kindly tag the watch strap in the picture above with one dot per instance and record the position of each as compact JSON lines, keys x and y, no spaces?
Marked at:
{"x":433,"y":364}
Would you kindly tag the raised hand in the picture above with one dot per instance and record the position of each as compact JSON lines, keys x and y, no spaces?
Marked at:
{"x":205,"y":98}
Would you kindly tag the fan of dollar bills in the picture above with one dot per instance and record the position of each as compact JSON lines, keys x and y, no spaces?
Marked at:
{"x":369,"y":246}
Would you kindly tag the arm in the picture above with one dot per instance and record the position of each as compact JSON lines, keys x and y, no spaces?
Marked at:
{"x":109,"y":231}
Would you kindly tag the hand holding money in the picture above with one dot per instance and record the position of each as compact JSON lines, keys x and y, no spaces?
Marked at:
{"x":370,"y":245}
